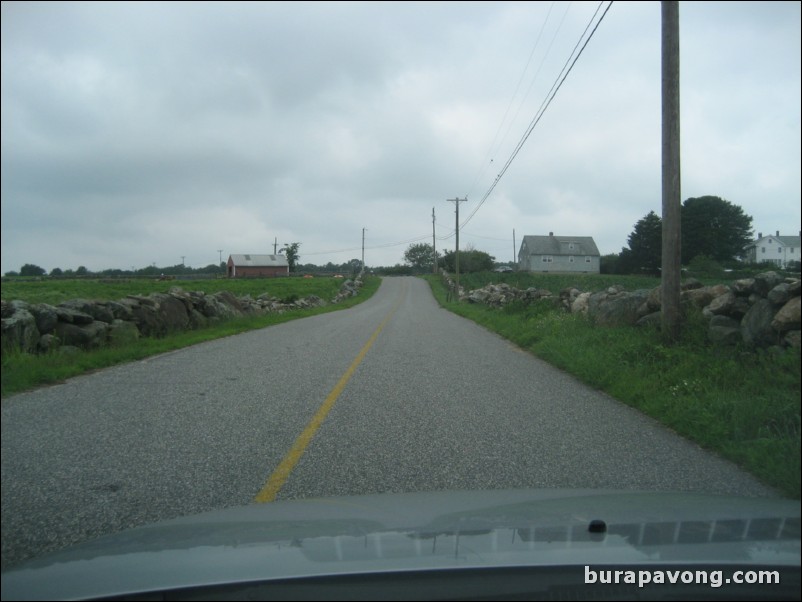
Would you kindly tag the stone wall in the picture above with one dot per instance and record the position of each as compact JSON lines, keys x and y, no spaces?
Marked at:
{"x":84,"y":324}
{"x":759,"y":312}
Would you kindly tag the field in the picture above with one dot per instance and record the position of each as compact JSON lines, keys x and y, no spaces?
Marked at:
{"x":55,"y":291}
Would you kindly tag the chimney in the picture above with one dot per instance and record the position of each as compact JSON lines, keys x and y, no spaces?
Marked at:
{"x":778,"y":232}
{"x":759,"y":235}
{"x":551,"y":233}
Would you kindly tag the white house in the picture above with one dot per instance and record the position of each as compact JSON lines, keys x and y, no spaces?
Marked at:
{"x":559,"y":254}
{"x":774,"y":248}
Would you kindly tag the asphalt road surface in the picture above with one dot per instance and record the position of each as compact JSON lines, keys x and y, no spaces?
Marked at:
{"x":393,"y":395}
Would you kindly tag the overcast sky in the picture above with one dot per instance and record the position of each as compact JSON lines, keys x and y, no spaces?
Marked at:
{"x":140,"y":133}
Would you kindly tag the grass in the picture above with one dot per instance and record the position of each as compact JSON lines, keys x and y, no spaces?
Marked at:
{"x":741,"y":405}
{"x":55,"y":291}
{"x":22,"y":371}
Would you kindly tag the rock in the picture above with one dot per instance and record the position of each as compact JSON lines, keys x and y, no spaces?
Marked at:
{"x":788,"y":318}
{"x":698,"y":297}
{"x":653,"y":320}
{"x":765,"y":282}
{"x":85,"y":336}
{"x":721,"y":305}
{"x":97,"y":310}
{"x":620,"y":309}
{"x":48,"y":343}
{"x":780,"y":294}
{"x":478,"y":296}
{"x":690,"y":284}
{"x":73,"y":316}
{"x":792,"y":338}
{"x":197,"y":319}
{"x":744,"y":286}
{"x":756,"y":329}
{"x":724,"y":331}
{"x":121,"y":333}
{"x":46,"y":317}
{"x":580,"y":304}
{"x":654,"y":301}
{"x":19,"y":329}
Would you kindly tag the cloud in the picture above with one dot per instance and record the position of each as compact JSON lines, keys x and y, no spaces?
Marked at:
{"x":135,"y":133}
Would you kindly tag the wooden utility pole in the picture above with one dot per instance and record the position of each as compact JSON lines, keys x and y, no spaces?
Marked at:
{"x":514,"y":251}
{"x":456,"y":202}
{"x":363,"y":249}
{"x":434,"y":248}
{"x":671,"y":251}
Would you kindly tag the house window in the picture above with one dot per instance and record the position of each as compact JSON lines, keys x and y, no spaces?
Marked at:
{"x":571,"y":246}
{"x":571,"y":259}
{"x":762,"y":249}
{"x":587,"y":259}
{"x":547,"y":259}
{"x":779,"y":249}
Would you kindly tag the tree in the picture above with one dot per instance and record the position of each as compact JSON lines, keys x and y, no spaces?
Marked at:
{"x":420,"y":257}
{"x":714,"y":227}
{"x":710,"y":226}
{"x":291,"y":252}
{"x":30,"y":269}
{"x":610,"y":263}
{"x":56,"y":272}
{"x":354,"y":266}
{"x":645,"y":247}
{"x":469,"y":261}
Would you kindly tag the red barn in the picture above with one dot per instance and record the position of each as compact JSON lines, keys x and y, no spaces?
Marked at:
{"x":257,"y":266}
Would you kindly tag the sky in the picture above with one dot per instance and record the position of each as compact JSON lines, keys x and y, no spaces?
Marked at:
{"x":138,"y":134}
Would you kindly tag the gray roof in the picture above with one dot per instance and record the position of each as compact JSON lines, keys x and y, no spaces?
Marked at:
{"x":560,"y":245}
{"x":787,"y":241}
{"x":259,"y":261}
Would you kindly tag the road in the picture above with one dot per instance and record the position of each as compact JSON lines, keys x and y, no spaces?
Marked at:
{"x":408,"y":397}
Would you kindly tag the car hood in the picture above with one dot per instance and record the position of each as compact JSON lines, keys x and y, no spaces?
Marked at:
{"x":419,"y":531}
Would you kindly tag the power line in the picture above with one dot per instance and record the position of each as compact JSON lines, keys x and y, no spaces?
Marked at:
{"x":561,"y":77}
{"x":493,"y":149}
{"x":381,"y":246}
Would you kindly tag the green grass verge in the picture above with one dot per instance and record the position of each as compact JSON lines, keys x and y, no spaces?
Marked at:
{"x":743,"y":406}
{"x":22,"y":371}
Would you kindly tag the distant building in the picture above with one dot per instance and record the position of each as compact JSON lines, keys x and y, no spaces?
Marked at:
{"x":257,"y":266}
{"x":780,"y":250}
{"x":559,"y":254}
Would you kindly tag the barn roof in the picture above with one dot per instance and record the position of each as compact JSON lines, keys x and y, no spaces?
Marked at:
{"x":259,"y":261}
{"x":560,"y":245}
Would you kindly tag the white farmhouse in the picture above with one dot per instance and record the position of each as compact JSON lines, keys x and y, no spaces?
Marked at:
{"x":780,"y":250}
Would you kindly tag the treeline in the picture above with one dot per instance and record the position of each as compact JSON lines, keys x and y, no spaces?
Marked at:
{"x":153,"y":271}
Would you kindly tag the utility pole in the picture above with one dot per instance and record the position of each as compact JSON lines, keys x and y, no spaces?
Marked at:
{"x":671,"y":249}
{"x":275,"y":245}
{"x":220,"y":252}
{"x":456,"y":202}
{"x":434,"y":248}
{"x":363,"y":249}
{"x":514,"y":257}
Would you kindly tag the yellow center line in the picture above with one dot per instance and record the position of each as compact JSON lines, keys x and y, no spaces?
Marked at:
{"x":282,"y":473}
